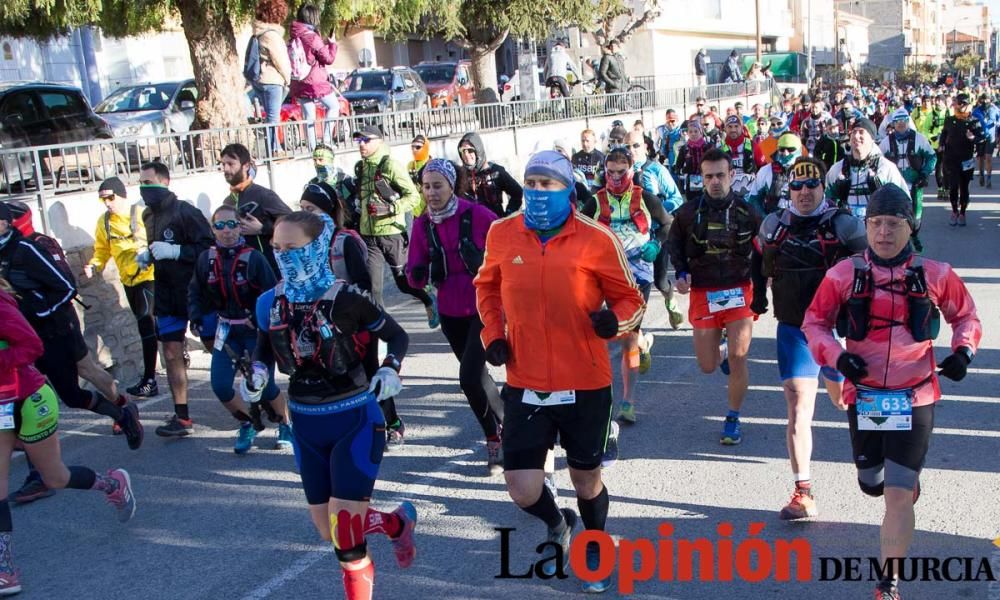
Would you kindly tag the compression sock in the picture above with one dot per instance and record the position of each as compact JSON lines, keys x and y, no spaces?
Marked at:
{"x":6,"y":541}
{"x":545,"y":508}
{"x":149,"y":352}
{"x":359,"y":582}
{"x":103,"y":406}
{"x":82,"y":478}
{"x":388,"y":407}
{"x":181,"y":410}
{"x":386,"y":523}
{"x":594,"y":512}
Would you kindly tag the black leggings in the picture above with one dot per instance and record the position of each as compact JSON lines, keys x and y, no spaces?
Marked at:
{"x":473,"y":376}
{"x":390,"y":250}
{"x":58,"y":364}
{"x":958,"y":185}
{"x":140,"y":300}
{"x":940,"y":174}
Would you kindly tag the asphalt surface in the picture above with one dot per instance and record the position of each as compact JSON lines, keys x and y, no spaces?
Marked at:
{"x":211,"y":524}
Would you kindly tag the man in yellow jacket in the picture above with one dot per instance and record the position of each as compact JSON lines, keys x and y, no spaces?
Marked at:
{"x":120,"y":235}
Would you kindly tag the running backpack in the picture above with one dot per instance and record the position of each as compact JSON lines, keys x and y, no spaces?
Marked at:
{"x":297,"y":56}
{"x":54,"y":250}
{"x":251,"y":62}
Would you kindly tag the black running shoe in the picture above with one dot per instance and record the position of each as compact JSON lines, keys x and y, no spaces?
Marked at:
{"x":146,"y":388}
{"x":131,"y":426}
{"x":176,"y":427}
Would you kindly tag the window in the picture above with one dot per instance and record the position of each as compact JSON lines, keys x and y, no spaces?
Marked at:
{"x":61,"y":104}
{"x":188,"y":94}
{"x":21,"y":109}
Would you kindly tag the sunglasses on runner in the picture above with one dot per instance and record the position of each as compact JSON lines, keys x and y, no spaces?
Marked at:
{"x":362,"y":139}
{"x":811,"y":183}
{"x":229,"y":224}
{"x":786,"y":150}
{"x":106,"y":197}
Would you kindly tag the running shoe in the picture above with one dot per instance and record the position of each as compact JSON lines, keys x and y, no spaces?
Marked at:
{"x":131,"y":426}
{"x":593,"y":562}
{"x":645,"y":352}
{"x":886,"y":592}
{"x":146,"y":388}
{"x":731,"y":434}
{"x":674,"y":314}
{"x":394,"y":436}
{"x":176,"y":427}
{"x":494,"y":457}
{"x":244,"y":438}
{"x":953,"y":220}
{"x":403,"y":544}
{"x":562,"y":537}
{"x":550,"y":482}
{"x":626,"y":414}
{"x":285,"y":440}
{"x":961,"y":220}
{"x":10,"y":583}
{"x":32,"y":489}
{"x":610,"y":456}
{"x":724,"y":352}
{"x":801,"y":506}
{"x":433,"y":319}
{"x":122,"y":498}
{"x":982,"y":180}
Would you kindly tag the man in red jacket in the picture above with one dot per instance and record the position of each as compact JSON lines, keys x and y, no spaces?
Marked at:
{"x":892,"y":298}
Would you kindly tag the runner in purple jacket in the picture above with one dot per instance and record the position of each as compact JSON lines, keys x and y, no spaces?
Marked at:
{"x":316,"y":86}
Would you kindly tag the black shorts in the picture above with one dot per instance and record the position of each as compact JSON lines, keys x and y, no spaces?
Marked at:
{"x":986,"y":148}
{"x":906,"y":449}
{"x":75,"y":338}
{"x":530,"y":431}
{"x":140,"y":299}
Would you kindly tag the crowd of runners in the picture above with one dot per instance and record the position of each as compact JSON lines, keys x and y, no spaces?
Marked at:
{"x":808,"y":209}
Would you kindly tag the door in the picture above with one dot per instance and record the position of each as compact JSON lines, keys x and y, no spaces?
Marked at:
{"x":24,"y":120}
{"x":402,"y":93}
{"x":181,"y":115}
{"x":70,"y":116}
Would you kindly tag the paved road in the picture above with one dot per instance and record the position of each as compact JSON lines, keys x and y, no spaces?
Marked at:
{"x":214,"y":525}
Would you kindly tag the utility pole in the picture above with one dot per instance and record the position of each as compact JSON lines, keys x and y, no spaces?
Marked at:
{"x":836,"y":38}
{"x":757,"y":8}
{"x":809,"y":41}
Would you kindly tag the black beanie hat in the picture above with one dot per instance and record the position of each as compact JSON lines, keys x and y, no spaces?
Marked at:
{"x":866,"y":124}
{"x":322,"y":195}
{"x":891,"y":200}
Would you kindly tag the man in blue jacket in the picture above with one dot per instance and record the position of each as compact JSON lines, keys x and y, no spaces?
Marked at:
{"x":989,"y":116}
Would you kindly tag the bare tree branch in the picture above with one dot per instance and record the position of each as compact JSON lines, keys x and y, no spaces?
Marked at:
{"x":651,"y":13}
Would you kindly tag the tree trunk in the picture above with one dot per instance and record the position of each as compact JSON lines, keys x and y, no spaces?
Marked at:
{"x":216,"y":63}
{"x":484,"y":74}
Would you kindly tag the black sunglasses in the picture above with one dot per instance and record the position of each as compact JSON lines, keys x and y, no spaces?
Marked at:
{"x":228,"y":224}
{"x":811,"y":183}
{"x":786,"y":150}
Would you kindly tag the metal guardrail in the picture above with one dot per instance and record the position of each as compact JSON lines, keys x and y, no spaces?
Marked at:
{"x":37,"y":172}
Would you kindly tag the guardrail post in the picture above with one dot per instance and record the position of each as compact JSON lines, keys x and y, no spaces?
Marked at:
{"x":36,"y":160}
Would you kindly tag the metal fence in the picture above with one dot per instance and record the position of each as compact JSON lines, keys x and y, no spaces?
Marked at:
{"x":36,"y":172}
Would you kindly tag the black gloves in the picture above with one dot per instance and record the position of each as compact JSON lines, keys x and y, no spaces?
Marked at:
{"x":605,"y":323}
{"x":420,"y":273}
{"x":852,"y":367}
{"x":498,"y":352}
{"x":956,"y":365}
{"x":759,"y":303}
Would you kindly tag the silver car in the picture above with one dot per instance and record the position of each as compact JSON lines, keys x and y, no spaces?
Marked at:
{"x":147,"y":110}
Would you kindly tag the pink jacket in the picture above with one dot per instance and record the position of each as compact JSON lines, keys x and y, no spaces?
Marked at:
{"x":319,"y":53}
{"x":456,"y":295}
{"x":895,"y":360}
{"x":24,"y":347}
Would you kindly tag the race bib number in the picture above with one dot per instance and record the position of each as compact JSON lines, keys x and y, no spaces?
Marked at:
{"x":885,"y":410}
{"x":7,"y":416}
{"x":859,"y":210}
{"x":549,"y":398}
{"x":221,"y":333}
{"x":968,"y":165}
{"x":725,"y":299}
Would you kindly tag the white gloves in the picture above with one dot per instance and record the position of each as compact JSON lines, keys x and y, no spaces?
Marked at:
{"x":165,"y":250}
{"x":385,"y":384}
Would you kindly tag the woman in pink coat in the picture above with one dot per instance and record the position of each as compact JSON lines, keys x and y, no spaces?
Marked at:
{"x":890,"y":301}
{"x":314,"y":87}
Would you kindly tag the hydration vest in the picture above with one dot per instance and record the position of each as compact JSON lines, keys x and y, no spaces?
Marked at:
{"x":635,"y":212}
{"x":923,"y":318}
{"x":734,"y":235}
{"x":844,"y":188}
{"x":468,"y":252}
{"x":778,"y":189}
{"x":740,"y":155}
{"x":816,"y":252}
{"x":133,"y":225}
{"x":337,"y":262}
{"x":485,"y":189}
{"x":913,"y":160}
{"x":314,"y":347}
{"x":234,"y":285}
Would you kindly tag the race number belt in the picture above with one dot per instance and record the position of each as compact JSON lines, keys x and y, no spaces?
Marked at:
{"x":547,"y":399}
{"x":884,"y":410}
{"x":721,"y":300}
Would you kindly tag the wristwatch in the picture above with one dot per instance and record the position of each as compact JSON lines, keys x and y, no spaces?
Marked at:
{"x":966,"y":352}
{"x":390,"y":361}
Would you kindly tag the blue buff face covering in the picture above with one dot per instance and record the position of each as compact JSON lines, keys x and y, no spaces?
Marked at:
{"x":545,"y":210}
{"x":306,"y":271}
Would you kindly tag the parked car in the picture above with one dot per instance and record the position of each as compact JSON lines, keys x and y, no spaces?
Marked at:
{"x":372,"y":91}
{"x":291,"y":110}
{"x":41,"y":114}
{"x":147,"y":110}
{"x":448,"y":83}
